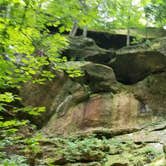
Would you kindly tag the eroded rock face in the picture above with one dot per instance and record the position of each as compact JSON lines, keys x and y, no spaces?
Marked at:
{"x":119,"y":111}
{"x":124,"y":110}
{"x":74,"y":107}
{"x":97,"y":99}
{"x":86,"y":49}
{"x":63,"y":92}
{"x":56,"y":95}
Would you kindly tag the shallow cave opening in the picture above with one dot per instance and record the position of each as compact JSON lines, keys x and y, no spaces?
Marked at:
{"x":107,"y":40}
{"x":103,"y":39}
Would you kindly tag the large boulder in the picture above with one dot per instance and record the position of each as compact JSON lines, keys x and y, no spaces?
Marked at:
{"x":59,"y":94}
{"x":99,"y":78}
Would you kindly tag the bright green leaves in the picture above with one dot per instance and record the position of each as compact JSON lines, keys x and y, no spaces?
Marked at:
{"x":6,"y":97}
{"x":27,"y":43}
{"x":130,"y":13}
{"x":35,"y":111}
{"x":31,"y":65}
{"x":3,"y":23}
{"x":20,"y":41}
{"x":12,"y":123}
{"x":52,"y":44}
{"x":47,"y":74}
{"x":122,"y":13}
{"x":66,"y":12}
{"x":6,"y":72}
{"x":29,"y":52}
{"x":74,"y":73}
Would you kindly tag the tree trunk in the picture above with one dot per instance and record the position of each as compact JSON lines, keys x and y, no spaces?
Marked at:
{"x":85,"y":11}
{"x":128,"y":37}
{"x":74,"y":29}
{"x":128,"y":24}
{"x":85,"y":31}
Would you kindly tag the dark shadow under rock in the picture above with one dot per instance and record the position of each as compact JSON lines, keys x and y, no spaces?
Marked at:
{"x":130,"y":68}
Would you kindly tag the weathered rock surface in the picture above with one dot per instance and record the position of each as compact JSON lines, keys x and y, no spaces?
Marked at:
{"x":125,"y":109}
{"x":97,"y":101}
{"x":99,"y":78}
{"x":86,"y":49}
{"x":56,"y":95}
{"x":100,"y":110}
{"x":62,"y":92}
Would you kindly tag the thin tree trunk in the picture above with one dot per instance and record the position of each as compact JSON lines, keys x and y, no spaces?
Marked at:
{"x":74,"y":29}
{"x":85,"y":10}
{"x":85,"y":31}
{"x":128,"y":37}
{"x":128,"y":24}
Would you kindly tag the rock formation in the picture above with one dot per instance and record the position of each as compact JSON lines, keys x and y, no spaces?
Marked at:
{"x":121,"y":94}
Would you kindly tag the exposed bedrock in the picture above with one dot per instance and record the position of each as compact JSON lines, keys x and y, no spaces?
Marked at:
{"x":129,"y":108}
{"x":97,"y":100}
{"x":56,"y":95}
